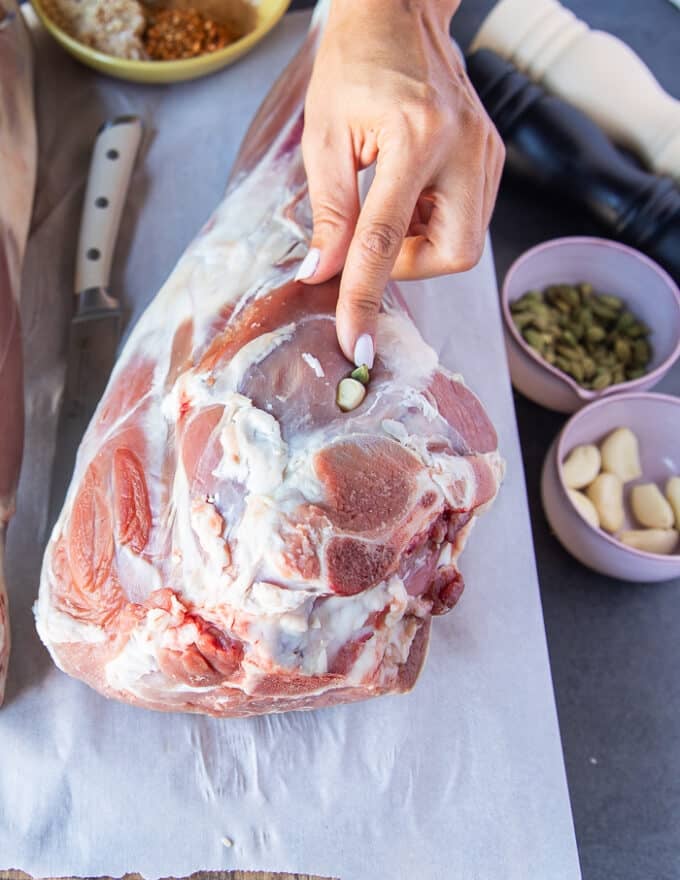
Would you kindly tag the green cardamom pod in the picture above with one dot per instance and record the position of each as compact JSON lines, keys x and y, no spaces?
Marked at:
{"x":603,"y":311}
{"x":603,"y":379}
{"x":637,"y":329}
{"x":535,"y":339}
{"x":361,"y":374}
{"x":527,"y":300}
{"x":522,"y":320}
{"x":618,"y":374}
{"x":576,"y":370}
{"x":641,"y":352}
{"x":595,"y":334}
{"x":623,"y":350}
{"x":626,"y":319}
{"x":611,"y":302}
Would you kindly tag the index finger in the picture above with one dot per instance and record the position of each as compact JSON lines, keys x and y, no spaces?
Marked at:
{"x":380,"y":230}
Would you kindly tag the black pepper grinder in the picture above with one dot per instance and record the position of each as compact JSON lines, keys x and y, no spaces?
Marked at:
{"x":556,"y":146}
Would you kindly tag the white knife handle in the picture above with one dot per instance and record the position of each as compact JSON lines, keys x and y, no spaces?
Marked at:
{"x":110,"y":170}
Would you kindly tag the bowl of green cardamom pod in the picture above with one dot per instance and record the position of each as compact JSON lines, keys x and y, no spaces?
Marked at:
{"x":588,"y":317}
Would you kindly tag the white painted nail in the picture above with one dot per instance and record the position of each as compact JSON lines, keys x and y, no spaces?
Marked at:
{"x":309,"y":265}
{"x":363,"y":351}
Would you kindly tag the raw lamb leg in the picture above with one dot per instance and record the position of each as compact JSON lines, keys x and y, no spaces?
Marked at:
{"x":231,"y":542}
{"x":17,"y":170}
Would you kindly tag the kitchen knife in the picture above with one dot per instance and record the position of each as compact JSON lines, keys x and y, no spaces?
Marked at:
{"x":95,"y":328}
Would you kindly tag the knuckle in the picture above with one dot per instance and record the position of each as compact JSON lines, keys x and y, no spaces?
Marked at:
{"x":328,"y":214}
{"x":315,"y":135}
{"x":465,"y":255}
{"x":427,"y":115}
{"x":470,"y":254}
{"x":363,"y":304}
{"x":380,"y":240}
{"x":495,"y":145}
{"x":475,"y":123}
{"x":310,"y":135}
{"x":499,"y":150}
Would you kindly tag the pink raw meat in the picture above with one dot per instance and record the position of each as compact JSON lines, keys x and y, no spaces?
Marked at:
{"x":18,"y":168}
{"x":232,"y":543}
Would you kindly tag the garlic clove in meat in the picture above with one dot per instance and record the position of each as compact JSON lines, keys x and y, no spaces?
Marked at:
{"x":350,"y":394}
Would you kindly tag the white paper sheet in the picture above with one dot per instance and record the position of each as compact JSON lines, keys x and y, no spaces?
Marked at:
{"x":461,"y":779}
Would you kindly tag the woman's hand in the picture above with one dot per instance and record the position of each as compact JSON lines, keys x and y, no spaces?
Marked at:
{"x":389,"y":87}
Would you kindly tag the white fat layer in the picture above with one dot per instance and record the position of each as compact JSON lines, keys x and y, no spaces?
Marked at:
{"x":253,"y":452}
{"x":138,"y":575}
{"x":413,"y":398}
{"x":403,"y":350}
{"x":275,"y":599}
{"x":137,"y":660}
{"x":314,"y":363}
{"x":209,"y":527}
{"x":55,"y":627}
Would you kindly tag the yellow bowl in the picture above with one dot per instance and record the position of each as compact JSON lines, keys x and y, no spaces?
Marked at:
{"x":268,"y":14}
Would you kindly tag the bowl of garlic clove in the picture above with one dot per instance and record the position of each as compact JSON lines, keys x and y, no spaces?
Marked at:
{"x":611,"y":486}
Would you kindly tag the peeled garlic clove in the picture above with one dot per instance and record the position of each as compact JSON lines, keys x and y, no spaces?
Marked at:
{"x":584,"y":507}
{"x":581,"y":466}
{"x":621,"y":455}
{"x":350,"y":394}
{"x":673,"y":495}
{"x":650,"y":507}
{"x":606,"y":493}
{"x":650,"y":540}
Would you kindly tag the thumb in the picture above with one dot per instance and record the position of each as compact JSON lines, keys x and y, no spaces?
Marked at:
{"x":334,"y":196}
{"x":375,"y":246}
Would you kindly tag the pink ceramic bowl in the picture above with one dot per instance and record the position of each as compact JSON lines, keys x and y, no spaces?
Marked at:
{"x":655,"y":419}
{"x":610,"y":267}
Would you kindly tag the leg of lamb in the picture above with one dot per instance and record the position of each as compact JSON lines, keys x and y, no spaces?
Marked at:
{"x":17,"y":182}
{"x":232,"y":542}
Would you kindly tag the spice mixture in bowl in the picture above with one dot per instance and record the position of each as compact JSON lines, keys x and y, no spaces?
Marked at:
{"x":158,"y":41}
{"x":142,"y":30}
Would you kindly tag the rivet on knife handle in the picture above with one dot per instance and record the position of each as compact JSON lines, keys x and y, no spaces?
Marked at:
{"x":110,"y":171}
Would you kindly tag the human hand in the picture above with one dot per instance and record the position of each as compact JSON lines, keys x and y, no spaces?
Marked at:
{"x":389,"y":87}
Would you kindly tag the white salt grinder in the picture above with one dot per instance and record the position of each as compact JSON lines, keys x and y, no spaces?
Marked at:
{"x":593,"y":70}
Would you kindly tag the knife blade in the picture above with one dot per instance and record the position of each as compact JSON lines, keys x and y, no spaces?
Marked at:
{"x":96,"y":324}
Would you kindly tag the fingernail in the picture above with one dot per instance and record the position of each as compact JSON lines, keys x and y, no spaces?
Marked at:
{"x":309,"y":265}
{"x":363,"y":351}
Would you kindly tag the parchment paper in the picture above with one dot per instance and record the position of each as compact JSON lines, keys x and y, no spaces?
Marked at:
{"x":463,"y":778}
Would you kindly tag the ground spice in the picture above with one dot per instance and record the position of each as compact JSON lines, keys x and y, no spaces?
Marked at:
{"x":172,"y":34}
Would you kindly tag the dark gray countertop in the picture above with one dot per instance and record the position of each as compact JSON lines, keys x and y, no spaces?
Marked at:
{"x":614,"y":647}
